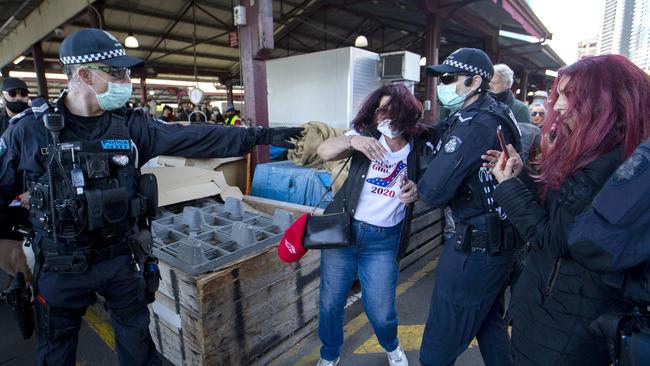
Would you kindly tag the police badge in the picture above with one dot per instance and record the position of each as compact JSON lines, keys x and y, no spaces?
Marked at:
{"x":453,"y":144}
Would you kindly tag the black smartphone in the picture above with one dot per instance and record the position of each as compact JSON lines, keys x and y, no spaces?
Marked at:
{"x":502,"y":141}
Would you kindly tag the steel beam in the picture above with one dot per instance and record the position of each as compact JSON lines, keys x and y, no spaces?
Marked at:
{"x":256,"y":44}
{"x":432,"y":50}
{"x":39,"y":68}
{"x":38,"y":24}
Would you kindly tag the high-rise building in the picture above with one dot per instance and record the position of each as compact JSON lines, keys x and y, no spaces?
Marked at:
{"x":626,"y":30}
{"x":587,"y":48}
{"x":640,"y":36}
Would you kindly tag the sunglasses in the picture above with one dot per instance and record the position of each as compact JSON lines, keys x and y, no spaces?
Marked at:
{"x":382,"y":110}
{"x":22,"y":92}
{"x":534,"y":114}
{"x":447,"y":79}
{"x":116,"y":72}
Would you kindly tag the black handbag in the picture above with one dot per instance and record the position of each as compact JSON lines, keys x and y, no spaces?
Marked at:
{"x":328,"y":231}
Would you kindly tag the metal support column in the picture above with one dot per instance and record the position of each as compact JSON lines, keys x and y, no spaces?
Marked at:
{"x":39,"y":68}
{"x":524,"y":85}
{"x":432,"y":47}
{"x":255,"y":45}
{"x":143,"y":90}
{"x":229,"y":97}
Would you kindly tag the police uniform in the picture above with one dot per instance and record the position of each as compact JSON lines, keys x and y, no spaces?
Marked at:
{"x":476,"y":261}
{"x":91,"y":207}
{"x":612,"y":236}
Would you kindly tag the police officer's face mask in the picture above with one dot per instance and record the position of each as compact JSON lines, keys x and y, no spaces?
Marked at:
{"x":449,"y":98}
{"x":115,"y":96}
{"x":16,"y":106}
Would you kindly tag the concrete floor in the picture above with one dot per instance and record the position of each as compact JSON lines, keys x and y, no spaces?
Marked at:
{"x":360,"y":347}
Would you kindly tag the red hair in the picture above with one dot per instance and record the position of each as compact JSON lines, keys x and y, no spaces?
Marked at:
{"x":405,"y":110}
{"x":609,"y":102}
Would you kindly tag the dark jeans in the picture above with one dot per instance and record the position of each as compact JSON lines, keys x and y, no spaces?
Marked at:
{"x":467,"y":302}
{"x":69,"y":294}
{"x":372,"y":256}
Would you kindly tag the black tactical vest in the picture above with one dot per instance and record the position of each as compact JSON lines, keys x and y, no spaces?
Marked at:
{"x":93,"y":194}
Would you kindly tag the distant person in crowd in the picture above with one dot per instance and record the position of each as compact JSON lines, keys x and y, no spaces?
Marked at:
{"x":540,"y":97}
{"x":184,"y":112}
{"x":15,"y":98}
{"x":232,"y":116}
{"x":500,"y":86}
{"x":167,"y":114}
{"x":537,"y":114}
{"x":207,"y":113}
{"x":386,"y":143}
{"x":216,"y":116}
{"x":599,"y":107}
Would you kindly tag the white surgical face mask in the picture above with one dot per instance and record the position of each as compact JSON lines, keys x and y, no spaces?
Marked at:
{"x":385,"y":129}
{"x":115,"y":96}
{"x":449,"y":98}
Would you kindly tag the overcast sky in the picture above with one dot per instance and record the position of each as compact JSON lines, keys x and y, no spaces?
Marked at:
{"x":570,"y":21}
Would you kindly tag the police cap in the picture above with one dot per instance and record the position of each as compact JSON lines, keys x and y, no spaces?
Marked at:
{"x":464,"y":60}
{"x":10,"y":83}
{"x":95,"y":45}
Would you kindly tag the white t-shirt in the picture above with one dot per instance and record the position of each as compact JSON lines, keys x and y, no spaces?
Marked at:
{"x":379,"y":202}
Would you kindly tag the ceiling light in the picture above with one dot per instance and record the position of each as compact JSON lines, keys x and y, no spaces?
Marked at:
{"x":131,"y":41}
{"x":152,"y":93}
{"x":423,"y":61}
{"x":361,"y":41}
{"x":19,"y":59}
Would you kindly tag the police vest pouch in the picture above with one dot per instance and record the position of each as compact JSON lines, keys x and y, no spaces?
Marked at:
{"x":327,"y":231}
{"x":148,"y":187}
{"x":95,"y":209}
{"x":116,"y":205}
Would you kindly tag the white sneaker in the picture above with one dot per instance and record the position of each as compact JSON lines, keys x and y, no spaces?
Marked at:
{"x":324,"y":362}
{"x":397,"y":357}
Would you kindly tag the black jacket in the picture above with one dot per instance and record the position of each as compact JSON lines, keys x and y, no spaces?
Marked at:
{"x":556,"y":298}
{"x":347,"y":198}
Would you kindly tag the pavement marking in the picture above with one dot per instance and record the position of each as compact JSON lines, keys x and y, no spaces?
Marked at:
{"x":103,"y":329}
{"x":410,"y":338}
{"x":354,"y":325}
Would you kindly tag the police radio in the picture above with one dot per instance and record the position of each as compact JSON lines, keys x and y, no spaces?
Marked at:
{"x":54,"y":122}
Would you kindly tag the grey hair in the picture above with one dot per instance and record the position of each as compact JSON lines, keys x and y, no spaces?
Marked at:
{"x":506,"y":74}
{"x":533,"y":105}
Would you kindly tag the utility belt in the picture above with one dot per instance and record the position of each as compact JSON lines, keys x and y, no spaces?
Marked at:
{"x":494,"y":241}
{"x":78,"y":260}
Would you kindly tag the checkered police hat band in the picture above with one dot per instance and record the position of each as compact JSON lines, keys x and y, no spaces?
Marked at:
{"x":469,"y":68}
{"x":93,"y":57}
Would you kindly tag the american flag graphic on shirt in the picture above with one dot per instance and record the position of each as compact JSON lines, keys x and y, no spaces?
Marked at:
{"x":390,"y":180}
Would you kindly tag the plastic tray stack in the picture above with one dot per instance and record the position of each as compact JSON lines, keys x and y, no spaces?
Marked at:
{"x":210,"y":235}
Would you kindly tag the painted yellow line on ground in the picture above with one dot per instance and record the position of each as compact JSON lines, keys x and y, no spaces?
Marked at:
{"x":410,"y":338}
{"x":101,"y":327}
{"x":354,"y":325}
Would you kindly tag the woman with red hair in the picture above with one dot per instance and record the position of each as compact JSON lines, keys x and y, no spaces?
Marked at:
{"x":599,"y":110}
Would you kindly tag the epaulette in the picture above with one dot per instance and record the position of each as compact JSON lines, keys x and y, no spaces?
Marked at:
{"x":40,"y":106}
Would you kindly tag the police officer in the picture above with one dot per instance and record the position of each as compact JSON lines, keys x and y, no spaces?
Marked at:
{"x":612,"y":236}
{"x":89,"y":204}
{"x":15,"y":97}
{"x":475,"y":263}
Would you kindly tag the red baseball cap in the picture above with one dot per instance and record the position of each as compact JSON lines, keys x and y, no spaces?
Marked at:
{"x":290,"y":248}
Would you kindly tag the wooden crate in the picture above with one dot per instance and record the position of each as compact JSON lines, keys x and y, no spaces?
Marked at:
{"x":253,"y":310}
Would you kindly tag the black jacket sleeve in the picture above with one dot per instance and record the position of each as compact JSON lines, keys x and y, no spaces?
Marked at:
{"x":531,"y":220}
{"x":154,"y":138}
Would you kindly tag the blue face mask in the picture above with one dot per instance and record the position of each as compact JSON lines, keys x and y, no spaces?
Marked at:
{"x":115,"y":96}
{"x":448,"y":97}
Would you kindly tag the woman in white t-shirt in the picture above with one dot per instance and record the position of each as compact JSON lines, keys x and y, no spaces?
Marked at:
{"x":386,"y":144}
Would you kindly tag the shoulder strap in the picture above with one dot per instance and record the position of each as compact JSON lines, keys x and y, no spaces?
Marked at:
{"x":329,"y":189}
